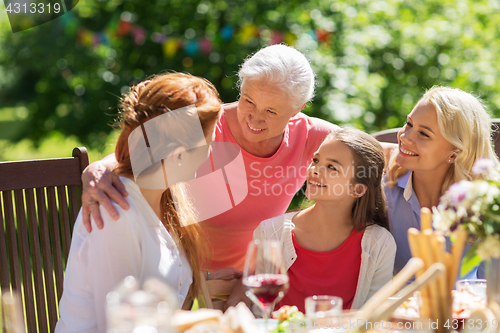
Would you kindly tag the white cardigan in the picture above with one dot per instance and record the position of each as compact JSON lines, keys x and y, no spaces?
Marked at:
{"x":377,"y":255}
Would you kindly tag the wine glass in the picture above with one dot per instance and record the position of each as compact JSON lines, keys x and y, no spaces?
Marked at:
{"x":264,"y":275}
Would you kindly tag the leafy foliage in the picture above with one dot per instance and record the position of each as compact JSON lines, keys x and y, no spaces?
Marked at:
{"x":373,"y":59}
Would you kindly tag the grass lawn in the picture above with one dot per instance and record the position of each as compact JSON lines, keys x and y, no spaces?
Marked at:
{"x":54,"y":146}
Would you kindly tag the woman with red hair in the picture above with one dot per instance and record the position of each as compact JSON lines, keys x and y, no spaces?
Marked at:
{"x":156,"y":237}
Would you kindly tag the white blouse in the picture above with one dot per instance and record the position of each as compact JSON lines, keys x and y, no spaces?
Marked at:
{"x":378,"y":250}
{"x":136,"y":244}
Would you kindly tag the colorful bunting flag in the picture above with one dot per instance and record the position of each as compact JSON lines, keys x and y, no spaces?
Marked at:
{"x":170,"y":47}
{"x":118,"y":28}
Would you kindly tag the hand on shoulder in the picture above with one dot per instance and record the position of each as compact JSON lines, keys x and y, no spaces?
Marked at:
{"x":101,"y":187}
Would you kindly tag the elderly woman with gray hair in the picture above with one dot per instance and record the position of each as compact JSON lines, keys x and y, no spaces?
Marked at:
{"x":277,"y":143}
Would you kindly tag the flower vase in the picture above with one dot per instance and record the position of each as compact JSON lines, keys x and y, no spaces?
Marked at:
{"x":493,"y":280}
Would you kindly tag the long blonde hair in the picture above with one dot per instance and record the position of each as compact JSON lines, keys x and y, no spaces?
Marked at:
{"x":150,"y":99}
{"x":463,"y":122}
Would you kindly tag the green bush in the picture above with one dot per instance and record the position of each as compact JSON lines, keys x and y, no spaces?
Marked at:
{"x":373,"y":59}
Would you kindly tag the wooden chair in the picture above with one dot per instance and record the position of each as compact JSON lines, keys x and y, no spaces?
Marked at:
{"x":216,"y":292}
{"x":391,"y":135}
{"x":40,"y":200}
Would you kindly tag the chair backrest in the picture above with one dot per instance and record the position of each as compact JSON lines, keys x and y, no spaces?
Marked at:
{"x":40,"y":200}
{"x":216,"y":292}
{"x":391,"y":135}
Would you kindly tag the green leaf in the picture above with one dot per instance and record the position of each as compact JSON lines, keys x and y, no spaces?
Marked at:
{"x":470,"y":261}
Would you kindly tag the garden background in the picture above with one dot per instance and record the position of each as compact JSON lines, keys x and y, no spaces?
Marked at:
{"x":60,"y":81}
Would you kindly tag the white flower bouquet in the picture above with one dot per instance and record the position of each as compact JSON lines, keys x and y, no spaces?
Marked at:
{"x":475,"y":206}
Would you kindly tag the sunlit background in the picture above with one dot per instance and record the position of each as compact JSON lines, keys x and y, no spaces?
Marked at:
{"x":60,"y":81}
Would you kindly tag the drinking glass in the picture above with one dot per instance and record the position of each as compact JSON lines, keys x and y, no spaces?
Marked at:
{"x":264,"y":275}
{"x":321,"y":306}
{"x":476,"y":287}
{"x":470,"y":295}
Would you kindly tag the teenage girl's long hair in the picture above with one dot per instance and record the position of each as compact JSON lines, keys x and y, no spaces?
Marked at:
{"x":369,"y":164}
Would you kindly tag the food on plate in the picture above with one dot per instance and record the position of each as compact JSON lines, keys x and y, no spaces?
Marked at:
{"x":465,"y":301}
{"x":409,"y":309}
{"x":238,"y":319}
{"x":285,"y":315}
{"x":206,"y":327}
{"x":184,"y":320}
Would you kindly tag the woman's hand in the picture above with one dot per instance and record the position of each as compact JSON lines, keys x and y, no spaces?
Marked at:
{"x":228,"y":273}
{"x":101,"y":187}
{"x":237,"y":295}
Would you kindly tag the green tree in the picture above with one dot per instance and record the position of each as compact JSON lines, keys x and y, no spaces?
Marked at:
{"x":373,"y":59}
{"x":384,"y":54}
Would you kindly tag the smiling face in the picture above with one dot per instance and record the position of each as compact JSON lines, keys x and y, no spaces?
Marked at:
{"x":263,"y":111}
{"x":331,"y":174}
{"x":422,"y":147}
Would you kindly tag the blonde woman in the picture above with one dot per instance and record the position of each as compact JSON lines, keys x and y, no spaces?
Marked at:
{"x":446,"y":132}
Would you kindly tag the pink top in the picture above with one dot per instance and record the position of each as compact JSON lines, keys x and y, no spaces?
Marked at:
{"x":325,"y":273}
{"x":272,"y":183}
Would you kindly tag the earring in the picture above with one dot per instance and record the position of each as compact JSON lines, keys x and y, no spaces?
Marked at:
{"x":180,"y":164}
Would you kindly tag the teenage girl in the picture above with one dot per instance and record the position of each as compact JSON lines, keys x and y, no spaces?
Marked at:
{"x":341,"y":245}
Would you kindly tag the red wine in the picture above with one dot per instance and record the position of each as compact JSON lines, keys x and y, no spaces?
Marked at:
{"x":267,"y":287}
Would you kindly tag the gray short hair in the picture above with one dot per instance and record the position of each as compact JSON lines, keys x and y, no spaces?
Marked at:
{"x":283,"y":66}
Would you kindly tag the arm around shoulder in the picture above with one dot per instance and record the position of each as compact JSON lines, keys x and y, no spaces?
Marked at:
{"x":110,"y":162}
{"x":322,"y":126}
{"x":318,"y":130}
{"x":101,"y":187}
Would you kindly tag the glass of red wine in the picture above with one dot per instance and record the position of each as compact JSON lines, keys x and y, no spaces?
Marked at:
{"x":264,"y":275}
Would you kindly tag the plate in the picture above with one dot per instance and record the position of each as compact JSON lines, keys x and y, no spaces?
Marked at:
{"x":271,"y":323}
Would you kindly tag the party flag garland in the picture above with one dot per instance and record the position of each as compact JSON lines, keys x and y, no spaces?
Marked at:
{"x":122,"y":28}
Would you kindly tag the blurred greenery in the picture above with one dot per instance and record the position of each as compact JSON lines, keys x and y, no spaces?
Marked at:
{"x":56,"y":145}
{"x":373,"y":59}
